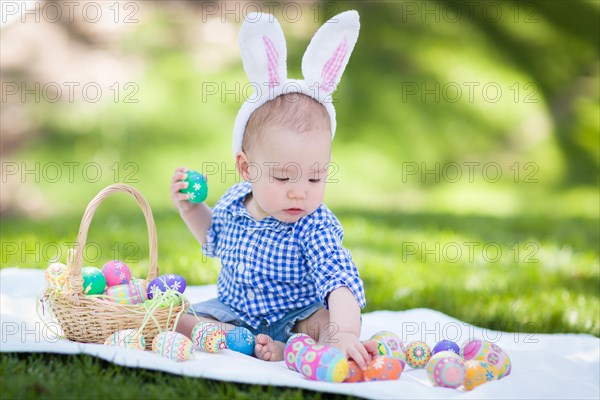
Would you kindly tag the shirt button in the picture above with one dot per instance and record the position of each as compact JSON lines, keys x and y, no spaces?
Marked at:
{"x":250,"y":294}
{"x":241,"y":268}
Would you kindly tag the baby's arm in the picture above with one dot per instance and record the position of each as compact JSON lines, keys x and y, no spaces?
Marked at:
{"x":344,"y":317}
{"x":197,"y":217}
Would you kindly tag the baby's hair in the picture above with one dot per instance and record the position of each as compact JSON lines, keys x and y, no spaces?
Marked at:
{"x":294,"y":111}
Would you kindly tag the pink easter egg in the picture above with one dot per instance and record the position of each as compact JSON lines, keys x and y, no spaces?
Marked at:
{"x":116,"y":273}
{"x":322,"y":363}
{"x":294,"y":344}
{"x":482,"y":350}
{"x":446,"y":369}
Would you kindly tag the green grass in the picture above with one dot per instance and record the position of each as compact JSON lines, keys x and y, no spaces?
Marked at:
{"x":45,"y":376}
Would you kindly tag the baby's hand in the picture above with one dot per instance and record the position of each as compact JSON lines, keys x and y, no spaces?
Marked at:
{"x":361,"y":353}
{"x":180,"y":199}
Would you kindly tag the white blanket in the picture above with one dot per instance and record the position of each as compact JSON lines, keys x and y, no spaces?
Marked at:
{"x":543,"y":366}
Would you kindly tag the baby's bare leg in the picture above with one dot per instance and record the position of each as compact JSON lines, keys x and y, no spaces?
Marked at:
{"x":187,"y":322}
{"x":317,"y":326}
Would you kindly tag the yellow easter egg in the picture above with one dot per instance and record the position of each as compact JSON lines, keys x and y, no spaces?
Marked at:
{"x":56,"y":275}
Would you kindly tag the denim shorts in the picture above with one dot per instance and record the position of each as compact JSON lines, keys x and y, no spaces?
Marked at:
{"x":280,"y":330}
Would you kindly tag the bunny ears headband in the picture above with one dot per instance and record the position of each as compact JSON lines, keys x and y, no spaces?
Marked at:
{"x":264,"y":56}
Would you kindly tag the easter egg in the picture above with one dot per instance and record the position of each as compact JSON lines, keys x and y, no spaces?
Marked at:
{"x":293,"y":345}
{"x":127,"y":338}
{"x":445,"y":345}
{"x":94,"y":281}
{"x":56,"y":275}
{"x":318,"y":362}
{"x":417,"y":354}
{"x":129,"y":293}
{"x":197,"y":187}
{"x":478,"y":372}
{"x":383,"y":368}
{"x":446,"y":369}
{"x":477,"y":349}
{"x":116,"y":273}
{"x":173,"y":345}
{"x":164,"y":282}
{"x":355,"y":374}
{"x":208,"y":337}
{"x":241,"y":340}
{"x":392,"y":341}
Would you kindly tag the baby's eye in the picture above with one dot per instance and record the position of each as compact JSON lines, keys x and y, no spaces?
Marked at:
{"x":317,"y":180}
{"x":281,"y":179}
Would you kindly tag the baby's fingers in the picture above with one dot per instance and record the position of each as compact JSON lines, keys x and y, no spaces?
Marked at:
{"x":180,"y":174}
{"x":358,"y":357}
{"x":181,"y":196}
{"x":371,"y":347}
{"x":177,"y":186}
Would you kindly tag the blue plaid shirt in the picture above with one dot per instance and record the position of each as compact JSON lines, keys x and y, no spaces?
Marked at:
{"x":270,"y":267}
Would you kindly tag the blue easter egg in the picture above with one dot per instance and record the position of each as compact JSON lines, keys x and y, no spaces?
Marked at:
{"x":164,"y":282}
{"x":446,"y":345}
{"x":241,"y":340}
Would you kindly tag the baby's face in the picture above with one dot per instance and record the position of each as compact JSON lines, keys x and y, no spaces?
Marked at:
{"x":288,"y":173}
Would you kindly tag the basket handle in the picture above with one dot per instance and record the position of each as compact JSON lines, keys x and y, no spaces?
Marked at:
{"x":77,"y":260}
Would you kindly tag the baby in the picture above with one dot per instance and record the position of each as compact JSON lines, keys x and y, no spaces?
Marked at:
{"x":284,"y":269}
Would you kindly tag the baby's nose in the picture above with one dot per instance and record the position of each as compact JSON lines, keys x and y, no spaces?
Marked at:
{"x":297,"y":192}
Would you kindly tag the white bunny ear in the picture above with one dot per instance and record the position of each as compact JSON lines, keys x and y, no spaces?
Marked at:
{"x":329,"y":51}
{"x":263,"y":49}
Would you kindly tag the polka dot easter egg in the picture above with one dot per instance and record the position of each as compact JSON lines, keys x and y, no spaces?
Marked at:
{"x":478,"y":372}
{"x":127,"y":338}
{"x":208,"y":337}
{"x":355,"y":374}
{"x":392,"y":341}
{"x":446,"y":345}
{"x":56,"y":276}
{"x":173,"y":345}
{"x":94,"y":281}
{"x":241,"y":340}
{"x":197,"y":189}
{"x":294,"y":344}
{"x":417,"y":354}
{"x":116,"y":273}
{"x":383,"y":368}
{"x":164,"y":282}
{"x":446,"y":369}
{"x":130,"y":293}
{"x":322,"y":363}
{"x":477,"y":349}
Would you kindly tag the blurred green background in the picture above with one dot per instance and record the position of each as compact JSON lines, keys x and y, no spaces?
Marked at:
{"x":466,"y":156}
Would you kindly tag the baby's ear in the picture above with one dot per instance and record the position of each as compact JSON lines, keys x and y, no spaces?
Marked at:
{"x":263,"y":49}
{"x":329,"y":51}
{"x":242,"y":165}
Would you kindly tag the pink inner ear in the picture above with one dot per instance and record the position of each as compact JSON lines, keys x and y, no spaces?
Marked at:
{"x":331,"y":69}
{"x":272,"y":61}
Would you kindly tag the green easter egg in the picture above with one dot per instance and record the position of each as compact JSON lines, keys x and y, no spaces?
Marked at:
{"x":197,"y":187}
{"x":94,"y":281}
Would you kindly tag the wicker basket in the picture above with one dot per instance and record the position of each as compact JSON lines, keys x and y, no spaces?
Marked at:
{"x":90,"y":319}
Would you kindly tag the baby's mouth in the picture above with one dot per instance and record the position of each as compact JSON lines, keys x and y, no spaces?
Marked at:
{"x":293,"y":211}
